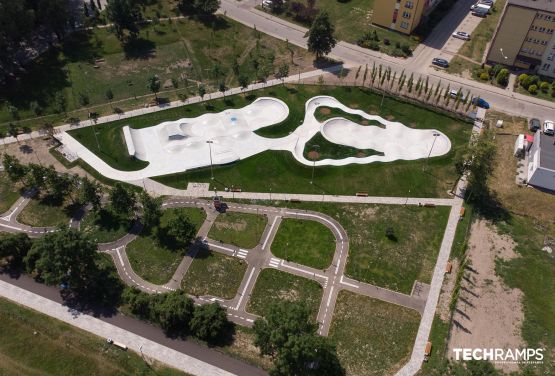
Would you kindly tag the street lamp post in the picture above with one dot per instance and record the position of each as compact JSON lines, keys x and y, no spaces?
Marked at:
{"x":503,"y":54}
{"x":436,"y":135}
{"x":210,"y":142}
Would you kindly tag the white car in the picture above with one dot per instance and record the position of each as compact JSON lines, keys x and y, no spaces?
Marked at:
{"x":461,"y":35}
{"x":549,"y":128}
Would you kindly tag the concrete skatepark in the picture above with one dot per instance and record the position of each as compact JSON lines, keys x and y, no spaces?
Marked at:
{"x":228,"y":136}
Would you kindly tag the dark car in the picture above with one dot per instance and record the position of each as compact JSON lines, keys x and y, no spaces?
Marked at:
{"x":480,"y":103}
{"x":535,"y":124}
{"x":440,"y":62}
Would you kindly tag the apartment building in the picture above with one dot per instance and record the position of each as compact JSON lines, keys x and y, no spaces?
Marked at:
{"x":401,"y":15}
{"x":525,"y":38}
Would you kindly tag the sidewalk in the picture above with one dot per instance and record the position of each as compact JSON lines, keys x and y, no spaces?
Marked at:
{"x":93,"y":325}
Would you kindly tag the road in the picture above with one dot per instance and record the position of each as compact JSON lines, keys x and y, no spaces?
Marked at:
{"x":353,"y":56}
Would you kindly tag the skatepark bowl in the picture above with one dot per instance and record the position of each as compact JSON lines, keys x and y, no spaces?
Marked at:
{"x":228,"y":136}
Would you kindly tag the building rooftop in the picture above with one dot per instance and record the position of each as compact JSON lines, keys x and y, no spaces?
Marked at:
{"x":547,"y":152}
{"x":542,"y":5}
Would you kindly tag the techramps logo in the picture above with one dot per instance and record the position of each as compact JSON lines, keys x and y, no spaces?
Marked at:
{"x":501,"y":356}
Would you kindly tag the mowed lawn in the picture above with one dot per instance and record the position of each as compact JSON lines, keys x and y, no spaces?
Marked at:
{"x":8,"y":193}
{"x":373,"y":338}
{"x":104,"y":226}
{"x":35,"y":344}
{"x":241,"y":229}
{"x":88,"y":63}
{"x":43,"y":211}
{"x":306,"y":242}
{"x":274,"y":286}
{"x":155,"y":256}
{"x":214,"y":274}
{"x":279,"y":171}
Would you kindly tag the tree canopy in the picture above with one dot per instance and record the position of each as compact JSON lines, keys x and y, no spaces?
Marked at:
{"x":124,"y":14}
{"x":181,"y":229}
{"x":122,"y":199}
{"x":209,"y":321}
{"x":13,"y":249}
{"x":320,"y":36}
{"x":152,"y":209}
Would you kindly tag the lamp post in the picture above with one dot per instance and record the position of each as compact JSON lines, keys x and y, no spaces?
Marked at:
{"x":210,"y":142}
{"x":436,"y":135}
{"x":314,"y":147}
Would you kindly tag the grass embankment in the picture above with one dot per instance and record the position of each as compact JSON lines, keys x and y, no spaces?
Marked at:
{"x":214,"y":274}
{"x":154,"y":256}
{"x":8,"y":193}
{"x":35,"y":344}
{"x":279,"y":171}
{"x":273,"y":285}
{"x":89,"y":63}
{"x":241,"y":229}
{"x":43,"y":211}
{"x":305,"y":242}
{"x":373,"y":337}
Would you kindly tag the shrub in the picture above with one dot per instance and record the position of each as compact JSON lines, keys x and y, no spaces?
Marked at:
{"x":533,"y":89}
{"x":386,"y":42}
{"x":544,"y":86}
{"x":503,"y":77}
{"x":406,"y":49}
{"x":398,"y":44}
{"x":373,"y":45}
{"x":494,"y":71}
{"x":523,"y":77}
{"x":484,"y":76}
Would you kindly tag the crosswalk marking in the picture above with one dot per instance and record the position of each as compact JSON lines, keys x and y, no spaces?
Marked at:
{"x":242,"y":253}
{"x":274,"y":262}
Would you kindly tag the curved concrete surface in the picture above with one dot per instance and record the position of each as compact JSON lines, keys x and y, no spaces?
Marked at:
{"x":182,"y":145}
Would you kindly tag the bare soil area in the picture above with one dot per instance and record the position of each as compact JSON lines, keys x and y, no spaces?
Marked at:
{"x":488,"y":314}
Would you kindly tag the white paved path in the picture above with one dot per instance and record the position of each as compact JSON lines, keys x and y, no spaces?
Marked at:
{"x":93,"y":325}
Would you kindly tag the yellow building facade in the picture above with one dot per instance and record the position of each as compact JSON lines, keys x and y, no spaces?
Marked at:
{"x":401,"y":15}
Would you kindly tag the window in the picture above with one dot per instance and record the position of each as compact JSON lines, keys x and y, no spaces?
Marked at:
{"x":542,"y":29}
{"x":546,"y":66}
{"x":406,"y":14}
{"x":544,"y":42}
{"x":404,"y":25}
{"x":409,"y":4}
{"x":525,"y":50}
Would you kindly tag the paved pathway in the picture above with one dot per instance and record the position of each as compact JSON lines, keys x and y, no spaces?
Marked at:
{"x":9,"y":223}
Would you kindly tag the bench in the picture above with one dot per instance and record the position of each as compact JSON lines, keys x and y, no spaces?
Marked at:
{"x":462,"y":212}
{"x":361,"y":194}
{"x":448,"y":267}
{"x":236,"y":190}
{"x":294,"y":200}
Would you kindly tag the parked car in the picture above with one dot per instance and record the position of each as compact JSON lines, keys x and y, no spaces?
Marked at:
{"x":440,"y":62}
{"x":486,"y":2}
{"x":453,"y":94}
{"x":534,"y":125}
{"x":461,"y":35}
{"x":549,"y":128}
{"x":480,"y":103}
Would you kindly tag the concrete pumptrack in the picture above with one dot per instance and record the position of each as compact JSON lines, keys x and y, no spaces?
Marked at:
{"x":228,"y":136}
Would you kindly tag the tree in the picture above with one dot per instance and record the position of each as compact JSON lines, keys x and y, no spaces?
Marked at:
{"x":48,"y":129}
{"x":480,"y":164}
{"x":90,"y":192}
{"x":63,"y":256}
{"x":320,"y":36}
{"x":209,"y":321}
{"x":282,"y":321}
{"x":243,"y":82}
{"x":181,"y":229}
{"x":307,"y":355}
{"x":283,"y":72}
{"x":36,"y":177}
{"x":58,"y":184}
{"x":222,"y":88}
{"x":174,"y":312}
{"x":15,"y":170}
{"x":152,"y":209}
{"x":13,"y":249}
{"x":13,"y":131}
{"x":503,"y":77}
{"x":36,"y":108}
{"x":201,"y":91}
{"x":109,"y":95}
{"x":154,"y":85}
{"x":55,"y":15}
{"x":206,"y":7}
{"x":122,"y":200}
{"x":125,"y":15}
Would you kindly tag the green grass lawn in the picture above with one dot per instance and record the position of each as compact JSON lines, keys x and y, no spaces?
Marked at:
{"x":326,"y":149}
{"x":281,"y":172}
{"x":534,"y":274}
{"x":155,"y":256}
{"x":45,"y":212}
{"x":373,"y":337}
{"x":373,"y":258}
{"x":8,"y":193}
{"x":241,"y":229}
{"x":305,"y":242}
{"x":214,"y":274}
{"x":89,"y":63}
{"x":273,"y":285}
{"x":60,"y":349}
{"x":351,"y":20}
{"x":104,"y":226}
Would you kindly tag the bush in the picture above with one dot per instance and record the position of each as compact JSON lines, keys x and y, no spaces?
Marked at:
{"x":533,"y":89}
{"x":484,"y":76}
{"x":494,"y":71}
{"x":406,"y":49}
{"x":544,"y":86}
{"x":503,"y":77}
{"x":521,"y":78}
{"x":386,"y":42}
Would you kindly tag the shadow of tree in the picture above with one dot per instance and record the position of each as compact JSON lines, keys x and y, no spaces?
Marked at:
{"x":139,"y":48}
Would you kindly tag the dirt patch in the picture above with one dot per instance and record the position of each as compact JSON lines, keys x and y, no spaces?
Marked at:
{"x":353,"y":105}
{"x":390,"y":117}
{"x":412,"y":125}
{"x":488,"y":314}
{"x":240,"y":225}
{"x":325,"y":110}
{"x":360,"y":154}
{"x":313,"y":155}
{"x":364,"y":122}
{"x":289,"y":295}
